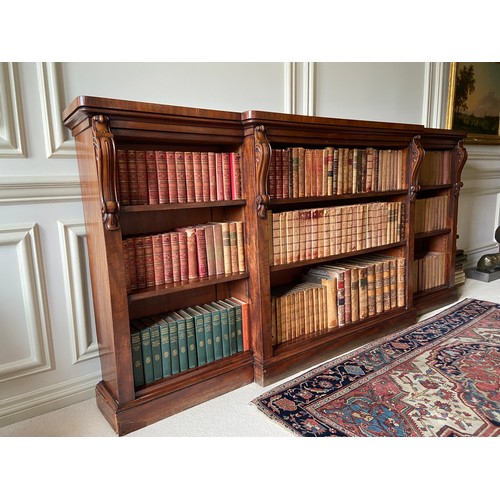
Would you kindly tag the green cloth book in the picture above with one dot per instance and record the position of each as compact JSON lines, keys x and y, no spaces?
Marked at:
{"x":182,"y":339}
{"x":135,"y":341}
{"x":174,"y":343}
{"x":209,"y":338}
{"x":165,"y":345}
{"x":191,"y":347}
{"x":199,"y":332}
{"x":154,"y":330}
{"x":216,"y":330}
{"x":231,"y":315}
{"x":239,"y":323}
{"x":224,"y":323}
{"x":147,"y":353}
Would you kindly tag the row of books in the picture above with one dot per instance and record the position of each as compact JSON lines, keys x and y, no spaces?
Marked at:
{"x":336,"y":295}
{"x":298,"y":172}
{"x":429,"y":271}
{"x":174,"y":342}
{"x":431,"y":214}
{"x":159,"y":177}
{"x":460,"y":263}
{"x":320,"y":232}
{"x":187,"y":253}
{"x":435,"y":168}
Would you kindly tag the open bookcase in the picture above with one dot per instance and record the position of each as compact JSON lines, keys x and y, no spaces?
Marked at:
{"x":226,"y":248}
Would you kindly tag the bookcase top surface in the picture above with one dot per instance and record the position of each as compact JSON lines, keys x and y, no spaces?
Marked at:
{"x":83,"y":107}
{"x":132,"y":112}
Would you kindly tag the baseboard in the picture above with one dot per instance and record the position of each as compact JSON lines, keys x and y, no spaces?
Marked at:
{"x":35,"y":403}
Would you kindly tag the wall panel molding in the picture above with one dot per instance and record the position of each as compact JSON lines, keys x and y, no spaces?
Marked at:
{"x":78,"y":290}
{"x":39,"y":189}
{"x":12,"y":134}
{"x":300,"y":88}
{"x":290,"y":88}
{"x":47,"y":399}
{"x":435,"y":94}
{"x":27,"y":244}
{"x":58,"y":140}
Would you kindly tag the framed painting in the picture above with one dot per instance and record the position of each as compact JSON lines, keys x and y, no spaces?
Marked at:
{"x":474,"y":101}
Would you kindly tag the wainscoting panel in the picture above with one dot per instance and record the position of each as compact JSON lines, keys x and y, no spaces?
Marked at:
{"x":25,"y":325}
{"x":78,"y":290}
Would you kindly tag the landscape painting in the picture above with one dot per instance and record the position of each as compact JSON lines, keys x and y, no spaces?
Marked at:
{"x":474,"y":101}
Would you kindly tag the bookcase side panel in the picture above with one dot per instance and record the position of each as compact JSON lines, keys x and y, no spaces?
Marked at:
{"x":107,"y":272}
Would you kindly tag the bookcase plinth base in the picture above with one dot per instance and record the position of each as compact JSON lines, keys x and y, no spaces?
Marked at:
{"x":154,"y":406}
{"x":301,"y":355}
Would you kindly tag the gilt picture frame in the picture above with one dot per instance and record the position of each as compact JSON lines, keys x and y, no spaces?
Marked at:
{"x":474,"y":101}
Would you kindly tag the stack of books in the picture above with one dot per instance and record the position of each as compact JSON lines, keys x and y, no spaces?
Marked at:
{"x":320,"y":232}
{"x":429,"y":271}
{"x":298,"y":172}
{"x":336,"y":295}
{"x":460,"y":262}
{"x":431,"y":214}
{"x":187,"y":253}
{"x":177,"y":341}
{"x":158,"y":177}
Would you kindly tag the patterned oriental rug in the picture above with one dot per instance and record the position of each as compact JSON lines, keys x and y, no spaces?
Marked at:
{"x":440,"y":377}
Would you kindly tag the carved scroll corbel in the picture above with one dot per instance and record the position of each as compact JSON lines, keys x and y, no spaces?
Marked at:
{"x":263,"y":156}
{"x":104,"y":149}
{"x":461,"y":153}
{"x":417,"y":154}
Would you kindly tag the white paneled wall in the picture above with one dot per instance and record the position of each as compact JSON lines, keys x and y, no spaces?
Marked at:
{"x":48,"y":348}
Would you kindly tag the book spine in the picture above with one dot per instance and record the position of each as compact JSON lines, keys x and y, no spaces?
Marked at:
{"x":169,"y":188}
{"x":189,"y":250}
{"x":156,"y":351}
{"x":140,"y":262}
{"x":182,"y":337}
{"x":158,"y":263}
{"x":132,"y":177}
{"x":201,"y":251}
{"x":205,"y":175}
{"x":219,"y":175}
{"x":174,"y":345}
{"x":226,"y":247}
{"x":153,"y":194}
{"x":149,"y":260}
{"x":198,"y":176}
{"x":240,"y":243}
{"x":210,"y":249}
{"x":190,"y":182}
{"x":123,"y":182}
{"x":235,"y":171}
{"x":176,"y":258}
{"x":233,"y":244}
{"x":196,"y":338}
{"x":137,"y":363}
{"x":165,"y":348}
{"x":180,"y":173}
{"x":212,"y":175}
{"x":168,"y":268}
{"x":147,"y":355}
{"x":209,"y":336}
{"x":142,"y":178}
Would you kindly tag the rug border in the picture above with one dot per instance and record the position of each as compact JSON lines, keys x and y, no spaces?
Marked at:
{"x":339,"y":359}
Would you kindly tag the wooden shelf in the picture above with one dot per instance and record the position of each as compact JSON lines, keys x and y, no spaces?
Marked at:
{"x":309,"y":262}
{"x":183,"y":286}
{"x":336,"y":198}
{"x":180,"y":206}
